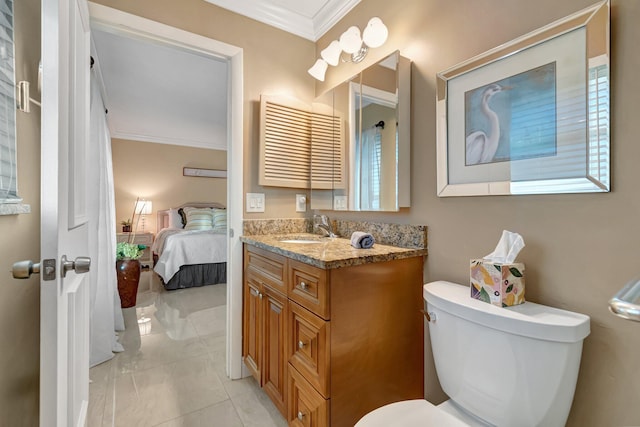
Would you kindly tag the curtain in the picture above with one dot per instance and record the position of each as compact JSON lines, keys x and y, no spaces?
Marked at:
{"x":369,"y":159}
{"x":105,"y":312}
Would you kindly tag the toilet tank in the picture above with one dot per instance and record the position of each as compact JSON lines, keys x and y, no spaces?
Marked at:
{"x":514,"y":366}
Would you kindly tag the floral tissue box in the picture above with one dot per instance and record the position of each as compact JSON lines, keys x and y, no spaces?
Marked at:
{"x":497,"y":284}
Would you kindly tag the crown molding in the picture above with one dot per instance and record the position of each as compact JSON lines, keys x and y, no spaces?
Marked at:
{"x":330,"y":14}
{"x":170,"y":141}
{"x":288,"y":20}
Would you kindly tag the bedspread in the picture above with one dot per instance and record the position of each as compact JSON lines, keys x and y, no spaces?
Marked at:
{"x":179,"y":247}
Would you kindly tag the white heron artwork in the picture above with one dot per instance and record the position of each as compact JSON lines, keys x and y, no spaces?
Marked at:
{"x":481,"y":147}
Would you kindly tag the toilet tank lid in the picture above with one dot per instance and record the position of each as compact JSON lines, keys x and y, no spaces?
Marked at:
{"x":528,"y":319}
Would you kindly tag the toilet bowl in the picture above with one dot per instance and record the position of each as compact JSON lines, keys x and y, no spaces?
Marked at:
{"x":418,"y":412}
{"x":515,"y":366}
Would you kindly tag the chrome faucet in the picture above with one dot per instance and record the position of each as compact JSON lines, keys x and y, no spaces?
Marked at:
{"x":322,"y":223}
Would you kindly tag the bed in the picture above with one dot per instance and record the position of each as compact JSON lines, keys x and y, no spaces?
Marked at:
{"x":195,"y":255}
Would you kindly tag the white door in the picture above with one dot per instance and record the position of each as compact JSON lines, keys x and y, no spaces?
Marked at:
{"x":64,"y":300}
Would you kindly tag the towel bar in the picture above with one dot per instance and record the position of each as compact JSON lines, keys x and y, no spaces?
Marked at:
{"x":626,"y":303}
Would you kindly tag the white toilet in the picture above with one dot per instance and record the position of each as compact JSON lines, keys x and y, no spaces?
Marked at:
{"x":509,"y":367}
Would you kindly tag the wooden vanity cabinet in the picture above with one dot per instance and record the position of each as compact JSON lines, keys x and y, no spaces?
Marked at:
{"x":353,"y":337}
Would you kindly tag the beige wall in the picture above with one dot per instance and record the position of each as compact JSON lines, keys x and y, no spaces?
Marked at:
{"x":154,"y":172}
{"x":580,"y":248}
{"x":275,"y":63}
{"x":20,"y":299}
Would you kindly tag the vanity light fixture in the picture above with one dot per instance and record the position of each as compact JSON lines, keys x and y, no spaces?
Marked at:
{"x":352,"y":43}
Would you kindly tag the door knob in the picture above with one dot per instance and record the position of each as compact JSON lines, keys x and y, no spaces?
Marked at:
{"x":24,"y":269}
{"x":82,"y":264}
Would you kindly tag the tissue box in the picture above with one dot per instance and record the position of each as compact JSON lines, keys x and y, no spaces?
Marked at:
{"x":497,"y":284}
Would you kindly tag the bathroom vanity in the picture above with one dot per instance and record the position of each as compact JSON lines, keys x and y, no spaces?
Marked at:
{"x":331,"y":332}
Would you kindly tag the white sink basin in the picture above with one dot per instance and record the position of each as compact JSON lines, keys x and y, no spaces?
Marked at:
{"x":301,"y":241}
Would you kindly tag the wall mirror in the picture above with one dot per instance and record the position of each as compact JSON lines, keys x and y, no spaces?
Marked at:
{"x":8,"y":167}
{"x":372,"y":169}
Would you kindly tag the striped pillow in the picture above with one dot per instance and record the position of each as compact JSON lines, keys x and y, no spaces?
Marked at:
{"x":199,"y":219}
{"x":220,"y":220}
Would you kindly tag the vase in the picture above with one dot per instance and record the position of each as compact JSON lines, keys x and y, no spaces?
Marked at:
{"x":128,"y":271}
{"x":126,"y":229}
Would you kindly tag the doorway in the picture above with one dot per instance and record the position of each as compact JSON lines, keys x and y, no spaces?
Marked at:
{"x":141,"y":27}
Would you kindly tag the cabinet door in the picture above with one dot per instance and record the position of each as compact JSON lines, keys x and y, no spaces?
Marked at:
{"x":307,"y":408}
{"x":308,"y":349}
{"x":274,"y":361}
{"x":251,"y":340}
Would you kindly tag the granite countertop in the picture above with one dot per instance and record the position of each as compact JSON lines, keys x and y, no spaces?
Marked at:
{"x":329,"y":252}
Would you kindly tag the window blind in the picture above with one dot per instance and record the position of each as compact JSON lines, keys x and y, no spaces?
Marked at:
{"x":8,"y":158}
{"x":599,"y":123}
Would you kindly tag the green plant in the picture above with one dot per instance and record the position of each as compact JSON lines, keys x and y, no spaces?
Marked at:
{"x":126,"y":222}
{"x":126,"y":250}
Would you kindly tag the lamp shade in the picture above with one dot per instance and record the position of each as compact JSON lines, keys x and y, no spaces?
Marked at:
{"x":143,"y":207}
{"x":331,"y":54}
{"x":318,"y":70}
{"x":375,"y":33}
{"x":350,"y":40}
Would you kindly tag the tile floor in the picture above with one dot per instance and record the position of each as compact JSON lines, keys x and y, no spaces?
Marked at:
{"x":172,"y":372}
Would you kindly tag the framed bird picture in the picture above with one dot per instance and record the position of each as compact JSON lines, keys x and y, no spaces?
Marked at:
{"x":530,"y":116}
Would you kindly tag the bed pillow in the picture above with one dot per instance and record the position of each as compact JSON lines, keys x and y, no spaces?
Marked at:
{"x":219,"y":220}
{"x":175,"y":219}
{"x":199,"y":219}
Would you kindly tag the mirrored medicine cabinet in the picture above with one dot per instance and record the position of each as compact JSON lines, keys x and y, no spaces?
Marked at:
{"x":371,"y":158}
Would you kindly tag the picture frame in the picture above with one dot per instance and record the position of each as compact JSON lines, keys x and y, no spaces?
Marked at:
{"x":204,"y":173}
{"x":530,"y":116}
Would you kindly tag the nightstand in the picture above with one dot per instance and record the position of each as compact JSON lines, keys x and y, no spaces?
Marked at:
{"x":140,"y":239}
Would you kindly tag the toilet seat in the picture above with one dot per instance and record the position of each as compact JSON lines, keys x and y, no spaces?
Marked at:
{"x":410,"y":413}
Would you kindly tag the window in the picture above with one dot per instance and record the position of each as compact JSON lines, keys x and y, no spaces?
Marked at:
{"x":8,"y":167}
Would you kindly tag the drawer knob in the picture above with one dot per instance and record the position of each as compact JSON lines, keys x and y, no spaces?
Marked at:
{"x":301,"y":344}
{"x":304,"y":286}
{"x":300,"y":415}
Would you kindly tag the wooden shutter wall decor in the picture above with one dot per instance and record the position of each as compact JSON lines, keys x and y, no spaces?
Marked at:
{"x":291,"y":135}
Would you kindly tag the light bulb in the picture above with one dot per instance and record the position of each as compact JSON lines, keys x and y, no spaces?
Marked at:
{"x":375,"y":33}
{"x":318,"y":70}
{"x":332,"y":53}
{"x":350,"y":40}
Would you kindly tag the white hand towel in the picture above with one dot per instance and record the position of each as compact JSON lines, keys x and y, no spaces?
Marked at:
{"x":361,"y":240}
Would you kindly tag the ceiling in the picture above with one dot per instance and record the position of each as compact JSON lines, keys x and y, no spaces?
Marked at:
{"x":309,"y":19}
{"x":165,"y":94}
{"x":160,"y":93}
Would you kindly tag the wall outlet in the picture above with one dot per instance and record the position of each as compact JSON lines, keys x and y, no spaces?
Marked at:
{"x":301,"y":202}
{"x":340,"y":203}
{"x":255,"y":202}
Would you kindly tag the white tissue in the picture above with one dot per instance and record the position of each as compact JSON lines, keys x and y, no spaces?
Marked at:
{"x":507,"y":249}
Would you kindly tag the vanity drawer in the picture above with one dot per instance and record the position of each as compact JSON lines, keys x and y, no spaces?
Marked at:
{"x":308,"y":287}
{"x":307,"y":408}
{"x":308,"y":347}
{"x":267,"y":268}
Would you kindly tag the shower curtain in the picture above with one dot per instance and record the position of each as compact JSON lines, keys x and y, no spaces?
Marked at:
{"x":369,"y":159}
{"x":105,"y":312}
